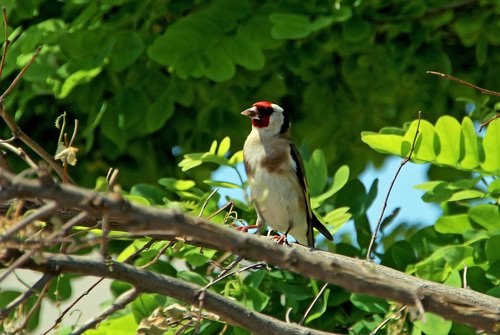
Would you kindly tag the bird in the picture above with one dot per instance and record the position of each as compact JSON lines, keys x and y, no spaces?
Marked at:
{"x":276,"y":176}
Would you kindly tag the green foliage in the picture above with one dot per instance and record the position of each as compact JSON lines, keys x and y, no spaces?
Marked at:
{"x":460,"y":243}
{"x":447,"y":143}
{"x":146,"y":77}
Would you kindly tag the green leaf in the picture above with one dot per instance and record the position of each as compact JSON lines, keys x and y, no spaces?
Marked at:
{"x":60,"y":288}
{"x":491,"y":146}
{"x":289,"y":26}
{"x":386,"y":143}
{"x":76,"y":78}
{"x":339,"y":180}
{"x":319,"y":308}
{"x":217,"y":65}
{"x":453,"y":224}
{"x":124,"y":325}
{"x":255,"y":299}
{"x":244,"y":51}
{"x":337,"y":218}
{"x":192,"y":277}
{"x":494,"y":188}
{"x":173,"y":184}
{"x":316,"y":171}
{"x":454,"y":279}
{"x":370,"y":304}
{"x":236,"y":158}
{"x":448,"y":130}
{"x":137,"y":199}
{"x":224,"y":146}
{"x":197,"y":44}
{"x":153,"y":193}
{"x":486,"y":215}
{"x":225,"y":184}
{"x":434,"y":325}
{"x":466,"y":195}
{"x":439,"y":265}
{"x":492,"y":252}
{"x":470,"y":145}
{"x":342,"y":13}
{"x":197,"y":258}
{"x":424,"y":146}
{"x":127,"y":49}
{"x":131,"y":249}
{"x":143,"y":306}
{"x":356,"y":30}
{"x":159,"y":112}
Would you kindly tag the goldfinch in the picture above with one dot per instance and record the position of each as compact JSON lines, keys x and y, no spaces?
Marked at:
{"x":276,"y":176}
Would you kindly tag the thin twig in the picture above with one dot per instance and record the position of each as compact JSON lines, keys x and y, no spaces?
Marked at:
{"x":20,"y":134}
{"x":94,"y":285}
{"x":464,"y":277}
{"x":61,"y":316}
{"x":463,"y":82}
{"x":389,"y":318}
{"x":158,"y":255}
{"x":306,"y":314}
{"x":19,"y":152}
{"x":403,"y":162}
{"x":120,"y":303}
{"x":9,"y":140}
{"x":49,"y":240}
{"x":38,"y":214}
{"x":36,"y":288}
{"x":33,"y":309}
{"x":487,"y":122}
{"x":221,"y":276}
{"x":205,"y":203}
{"x":19,"y":76}
{"x":6,"y":46}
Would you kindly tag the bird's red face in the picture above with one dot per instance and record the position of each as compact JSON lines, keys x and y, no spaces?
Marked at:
{"x":260,"y":113}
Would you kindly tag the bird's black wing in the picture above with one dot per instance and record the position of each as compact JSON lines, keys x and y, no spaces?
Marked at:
{"x":312,"y":220}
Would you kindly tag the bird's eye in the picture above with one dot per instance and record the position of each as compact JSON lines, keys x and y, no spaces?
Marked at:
{"x":266,"y":111}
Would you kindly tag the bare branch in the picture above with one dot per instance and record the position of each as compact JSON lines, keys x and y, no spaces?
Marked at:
{"x":19,"y":76}
{"x":361,"y":276}
{"x":43,"y":212}
{"x":7,"y":42}
{"x":463,"y":82}
{"x":120,"y":303}
{"x":145,"y":281}
{"x":19,"y":152}
{"x":20,"y":134}
{"x":487,"y":122}
{"x":36,"y":288}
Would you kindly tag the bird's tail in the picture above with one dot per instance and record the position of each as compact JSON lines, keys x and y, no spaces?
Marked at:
{"x":321,"y":228}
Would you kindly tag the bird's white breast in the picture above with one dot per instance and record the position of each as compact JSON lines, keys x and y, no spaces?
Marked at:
{"x":275,"y":187}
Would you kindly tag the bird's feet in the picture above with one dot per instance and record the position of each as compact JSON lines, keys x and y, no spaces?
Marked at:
{"x":281,"y":239}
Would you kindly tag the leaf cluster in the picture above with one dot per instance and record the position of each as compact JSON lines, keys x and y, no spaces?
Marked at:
{"x":150,"y":78}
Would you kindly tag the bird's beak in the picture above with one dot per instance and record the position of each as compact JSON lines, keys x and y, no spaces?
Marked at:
{"x":251,"y":113}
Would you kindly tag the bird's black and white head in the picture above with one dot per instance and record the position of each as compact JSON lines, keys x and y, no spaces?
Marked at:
{"x":268,"y":118}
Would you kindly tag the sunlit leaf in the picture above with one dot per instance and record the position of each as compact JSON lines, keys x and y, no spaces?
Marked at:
{"x":453,"y":224}
{"x":339,"y":180}
{"x":448,"y":131}
{"x":491,"y":146}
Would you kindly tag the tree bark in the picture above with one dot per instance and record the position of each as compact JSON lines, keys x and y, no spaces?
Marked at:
{"x":460,"y":305}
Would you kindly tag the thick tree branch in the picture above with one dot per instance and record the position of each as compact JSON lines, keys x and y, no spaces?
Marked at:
{"x":146,"y":281}
{"x":360,"y":276}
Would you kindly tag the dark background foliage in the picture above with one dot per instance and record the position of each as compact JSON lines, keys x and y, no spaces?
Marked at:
{"x":144,"y":77}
